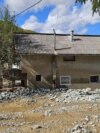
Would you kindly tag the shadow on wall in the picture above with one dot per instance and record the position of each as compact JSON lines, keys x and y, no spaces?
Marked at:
{"x":31,"y":76}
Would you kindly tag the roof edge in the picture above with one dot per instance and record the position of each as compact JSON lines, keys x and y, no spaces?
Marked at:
{"x":56,"y":34}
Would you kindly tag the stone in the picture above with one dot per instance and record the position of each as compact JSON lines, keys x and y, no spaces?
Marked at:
{"x":87,"y":119}
{"x":3,"y":94}
{"x":36,"y":127}
{"x":47,"y":113}
{"x":95,"y":118}
{"x":52,"y":98}
{"x":87,"y":89}
{"x":63,"y":109}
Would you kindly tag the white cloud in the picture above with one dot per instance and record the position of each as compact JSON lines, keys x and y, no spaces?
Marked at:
{"x":19,"y":5}
{"x":33,"y":24}
{"x":64,"y":17}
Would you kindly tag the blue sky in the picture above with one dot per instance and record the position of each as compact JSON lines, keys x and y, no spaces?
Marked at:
{"x":41,"y":15}
{"x":61,"y":15}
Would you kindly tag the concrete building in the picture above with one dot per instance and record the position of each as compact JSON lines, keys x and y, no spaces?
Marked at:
{"x":59,"y":60}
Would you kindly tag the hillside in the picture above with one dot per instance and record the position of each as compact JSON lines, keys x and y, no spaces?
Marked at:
{"x":16,"y":28}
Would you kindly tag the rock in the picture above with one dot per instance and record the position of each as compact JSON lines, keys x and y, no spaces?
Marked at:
{"x":78,"y":95}
{"x":95,"y":118}
{"x":76,"y":129}
{"x":87,"y":119}
{"x":63,"y":109}
{"x":59,"y":95}
{"x":52,"y":98}
{"x":87,"y":90}
{"x":3,"y":94}
{"x":36,"y":127}
{"x":57,"y":100}
{"x":47,"y":113}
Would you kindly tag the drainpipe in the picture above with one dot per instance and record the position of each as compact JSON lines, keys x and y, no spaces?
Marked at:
{"x":54,"y":40}
{"x":54,"y":62}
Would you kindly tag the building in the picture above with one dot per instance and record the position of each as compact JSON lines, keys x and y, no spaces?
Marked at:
{"x":59,"y":60}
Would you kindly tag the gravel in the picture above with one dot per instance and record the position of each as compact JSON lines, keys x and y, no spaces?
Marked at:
{"x":59,"y":95}
{"x":61,"y":98}
{"x":79,"y":95}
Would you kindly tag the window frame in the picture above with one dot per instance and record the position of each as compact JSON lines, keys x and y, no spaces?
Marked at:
{"x":68,"y":76}
{"x":40,"y":78}
{"x":92,"y":76}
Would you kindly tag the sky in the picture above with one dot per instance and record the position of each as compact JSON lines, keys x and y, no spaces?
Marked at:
{"x":61,"y":15}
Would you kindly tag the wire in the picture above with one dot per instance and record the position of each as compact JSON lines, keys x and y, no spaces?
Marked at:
{"x":27,"y":8}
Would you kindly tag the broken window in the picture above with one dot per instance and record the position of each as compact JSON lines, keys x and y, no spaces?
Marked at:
{"x":38,"y":77}
{"x":17,"y":83}
{"x":68,"y":58}
{"x":65,"y":80}
{"x":94,"y":79}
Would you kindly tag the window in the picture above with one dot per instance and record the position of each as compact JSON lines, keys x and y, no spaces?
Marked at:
{"x":94,"y":78}
{"x":65,"y":80}
{"x":17,"y":82}
{"x":15,"y":66}
{"x":68,"y":58}
{"x":38,"y":77}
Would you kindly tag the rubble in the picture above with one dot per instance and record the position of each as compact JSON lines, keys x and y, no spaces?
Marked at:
{"x":55,"y":103}
{"x":36,"y":127}
{"x":59,"y":95}
{"x":83,"y":126}
{"x":47,"y":113}
{"x":79,"y":95}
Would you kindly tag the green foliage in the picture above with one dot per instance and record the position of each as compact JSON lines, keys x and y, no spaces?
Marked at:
{"x":6,"y":33}
{"x":95,"y":4}
{"x":7,"y":29}
{"x":15,"y":28}
{"x":81,"y":1}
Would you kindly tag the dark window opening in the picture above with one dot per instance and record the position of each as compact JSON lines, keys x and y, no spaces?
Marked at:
{"x":94,"y":79}
{"x":68,"y":58}
{"x":38,"y":77}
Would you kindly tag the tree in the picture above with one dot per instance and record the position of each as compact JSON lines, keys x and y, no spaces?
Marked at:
{"x":95,"y":5}
{"x":6,"y":38}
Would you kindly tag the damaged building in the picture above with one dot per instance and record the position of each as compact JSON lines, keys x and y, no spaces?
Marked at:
{"x":59,"y":60}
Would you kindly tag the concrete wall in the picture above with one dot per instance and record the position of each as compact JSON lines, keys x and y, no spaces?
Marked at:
{"x":79,"y":70}
{"x":82,"y":67}
{"x":38,"y":65}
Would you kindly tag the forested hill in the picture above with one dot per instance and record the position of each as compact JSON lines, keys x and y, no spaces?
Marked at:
{"x":10,"y":25}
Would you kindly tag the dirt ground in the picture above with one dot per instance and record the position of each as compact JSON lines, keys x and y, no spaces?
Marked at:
{"x":42,"y":115}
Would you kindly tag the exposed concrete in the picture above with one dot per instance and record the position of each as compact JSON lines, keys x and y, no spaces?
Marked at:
{"x":80,"y":70}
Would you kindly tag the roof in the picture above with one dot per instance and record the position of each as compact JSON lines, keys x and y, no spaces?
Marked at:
{"x":41,"y":43}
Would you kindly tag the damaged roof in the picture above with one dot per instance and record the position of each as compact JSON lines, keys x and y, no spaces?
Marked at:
{"x":40,"y":43}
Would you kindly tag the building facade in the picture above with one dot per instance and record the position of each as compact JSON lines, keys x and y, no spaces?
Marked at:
{"x":59,"y":60}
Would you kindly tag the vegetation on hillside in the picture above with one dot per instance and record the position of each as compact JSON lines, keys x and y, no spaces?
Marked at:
{"x":15,"y":28}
